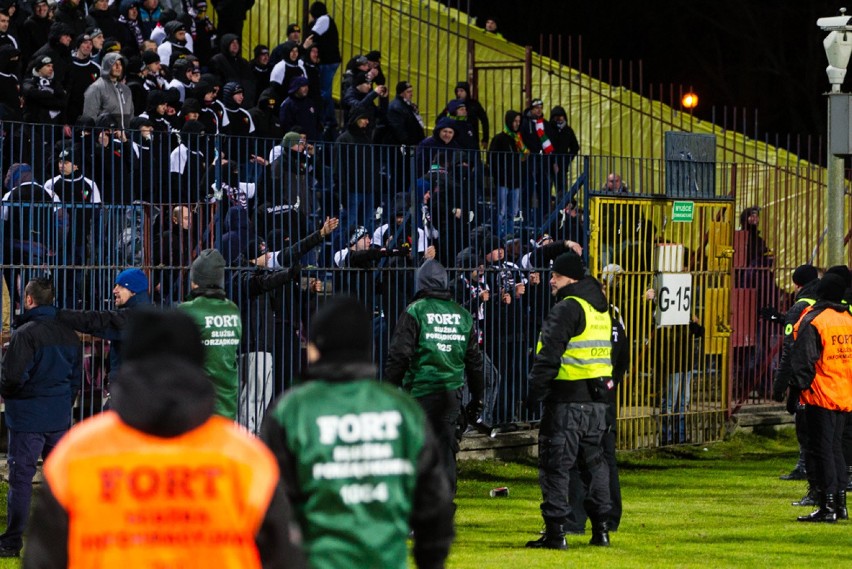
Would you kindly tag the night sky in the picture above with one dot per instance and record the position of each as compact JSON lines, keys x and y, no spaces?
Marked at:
{"x":760,"y":55}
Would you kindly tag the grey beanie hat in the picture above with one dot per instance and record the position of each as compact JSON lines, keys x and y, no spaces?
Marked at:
{"x":290,"y":139}
{"x":208,"y":269}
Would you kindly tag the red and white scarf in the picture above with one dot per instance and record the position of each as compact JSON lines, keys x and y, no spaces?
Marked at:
{"x":546,"y":145}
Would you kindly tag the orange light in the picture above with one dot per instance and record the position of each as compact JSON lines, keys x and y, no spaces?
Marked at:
{"x":689,"y":101}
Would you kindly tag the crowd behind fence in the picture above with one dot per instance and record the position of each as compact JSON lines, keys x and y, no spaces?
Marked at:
{"x":82,"y":206}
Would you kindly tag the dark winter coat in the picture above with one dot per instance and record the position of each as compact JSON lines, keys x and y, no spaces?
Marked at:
{"x":42,"y":371}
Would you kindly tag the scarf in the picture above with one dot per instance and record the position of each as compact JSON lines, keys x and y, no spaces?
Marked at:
{"x":546,"y":145}
{"x":519,"y":142}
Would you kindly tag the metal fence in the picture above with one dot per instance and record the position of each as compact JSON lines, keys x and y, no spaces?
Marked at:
{"x":81,"y":206}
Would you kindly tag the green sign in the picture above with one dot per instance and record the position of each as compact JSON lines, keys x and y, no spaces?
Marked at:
{"x":683,"y":211}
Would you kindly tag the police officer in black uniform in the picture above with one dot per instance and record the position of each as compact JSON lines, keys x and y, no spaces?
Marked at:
{"x":570,"y":373}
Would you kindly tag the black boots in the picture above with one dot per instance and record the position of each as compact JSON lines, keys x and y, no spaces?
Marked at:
{"x":600,"y":534}
{"x":553,"y":538}
{"x":797,"y":473}
{"x":827,"y":512}
{"x":842,"y":512}
{"x":809,"y":499}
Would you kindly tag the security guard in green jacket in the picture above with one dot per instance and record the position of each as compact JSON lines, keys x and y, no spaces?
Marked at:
{"x":570,"y":373}
{"x":357,"y":457}
{"x":434,"y":346}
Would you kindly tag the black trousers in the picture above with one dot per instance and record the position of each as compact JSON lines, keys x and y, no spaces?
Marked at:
{"x":572,"y":433}
{"x":579,"y":482}
{"x":442,"y":411}
{"x":825,"y":433}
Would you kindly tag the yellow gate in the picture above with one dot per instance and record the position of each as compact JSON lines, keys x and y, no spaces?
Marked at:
{"x":667,"y":268}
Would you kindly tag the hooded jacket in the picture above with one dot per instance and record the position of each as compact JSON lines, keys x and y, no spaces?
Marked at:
{"x":433,"y":150}
{"x":434,"y":343}
{"x":504,"y":157}
{"x":234,"y":68}
{"x":287,"y":69}
{"x":173,"y":49}
{"x":10,"y":63}
{"x":476,"y":115}
{"x":325,"y":34}
{"x":564,"y":140}
{"x":106,"y":96}
{"x":59,"y":53}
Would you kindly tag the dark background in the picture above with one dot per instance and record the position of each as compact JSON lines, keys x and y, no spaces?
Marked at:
{"x":759,"y":55}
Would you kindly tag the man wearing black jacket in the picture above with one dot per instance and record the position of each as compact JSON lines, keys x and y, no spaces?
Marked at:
{"x":570,"y":373}
{"x":806,"y":281}
{"x":41,"y":374}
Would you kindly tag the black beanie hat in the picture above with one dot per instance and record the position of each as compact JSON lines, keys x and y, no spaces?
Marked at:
{"x":402,"y":86}
{"x":805,"y":274}
{"x":342,"y":330}
{"x":569,"y":264}
{"x":208,"y":269}
{"x":841,"y":271}
{"x":831,"y":288}
{"x":153,"y":332}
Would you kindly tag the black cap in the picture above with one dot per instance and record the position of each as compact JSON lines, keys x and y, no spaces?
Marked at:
{"x":149,"y":57}
{"x":841,"y":271}
{"x":569,"y":264}
{"x":805,"y":274}
{"x":402,"y":86}
{"x":342,"y":331}
{"x":293,"y":28}
{"x":831,"y":288}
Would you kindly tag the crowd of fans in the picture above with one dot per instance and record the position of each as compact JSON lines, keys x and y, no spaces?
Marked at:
{"x":158,"y":139}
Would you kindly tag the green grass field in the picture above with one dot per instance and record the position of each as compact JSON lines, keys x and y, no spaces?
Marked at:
{"x":683,"y":507}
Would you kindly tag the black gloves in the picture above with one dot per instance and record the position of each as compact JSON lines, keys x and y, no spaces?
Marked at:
{"x":294,"y":271}
{"x":779,"y":390}
{"x":771,"y":314}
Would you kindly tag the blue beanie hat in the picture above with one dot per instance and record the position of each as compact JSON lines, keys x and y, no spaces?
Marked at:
{"x":133,"y":280}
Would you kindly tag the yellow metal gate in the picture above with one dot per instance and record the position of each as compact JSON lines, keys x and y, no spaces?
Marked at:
{"x":663,"y":269}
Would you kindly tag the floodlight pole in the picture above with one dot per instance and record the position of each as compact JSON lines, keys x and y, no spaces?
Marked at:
{"x":838,"y":49}
{"x":834,"y":203}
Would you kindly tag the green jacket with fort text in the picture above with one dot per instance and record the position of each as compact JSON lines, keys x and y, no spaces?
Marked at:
{"x":221,"y":329}
{"x":361,"y":467}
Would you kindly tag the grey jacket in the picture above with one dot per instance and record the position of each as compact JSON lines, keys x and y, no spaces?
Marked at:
{"x":106,"y":97}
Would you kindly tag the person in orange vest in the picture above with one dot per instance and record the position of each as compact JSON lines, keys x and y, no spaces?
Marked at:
{"x":821,"y":362}
{"x":159,"y":480}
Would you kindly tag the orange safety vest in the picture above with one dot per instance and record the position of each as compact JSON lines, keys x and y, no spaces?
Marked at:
{"x":832,"y":385}
{"x":135,"y":500}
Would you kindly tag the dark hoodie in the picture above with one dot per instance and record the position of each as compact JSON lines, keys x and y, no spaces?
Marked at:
{"x":59,"y":53}
{"x":10,"y":104}
{"x":504,"y":158}
{"x":432,"y":150}
{"x":565,"y":321}
{"x":328,"y":41}
{"x":265,"y":117}
{"x":283,"y":72}
{"x":564,"y":140}
{"x":234,"y":68}
{"x":173,"y":49}
{"x":476,"y":114}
